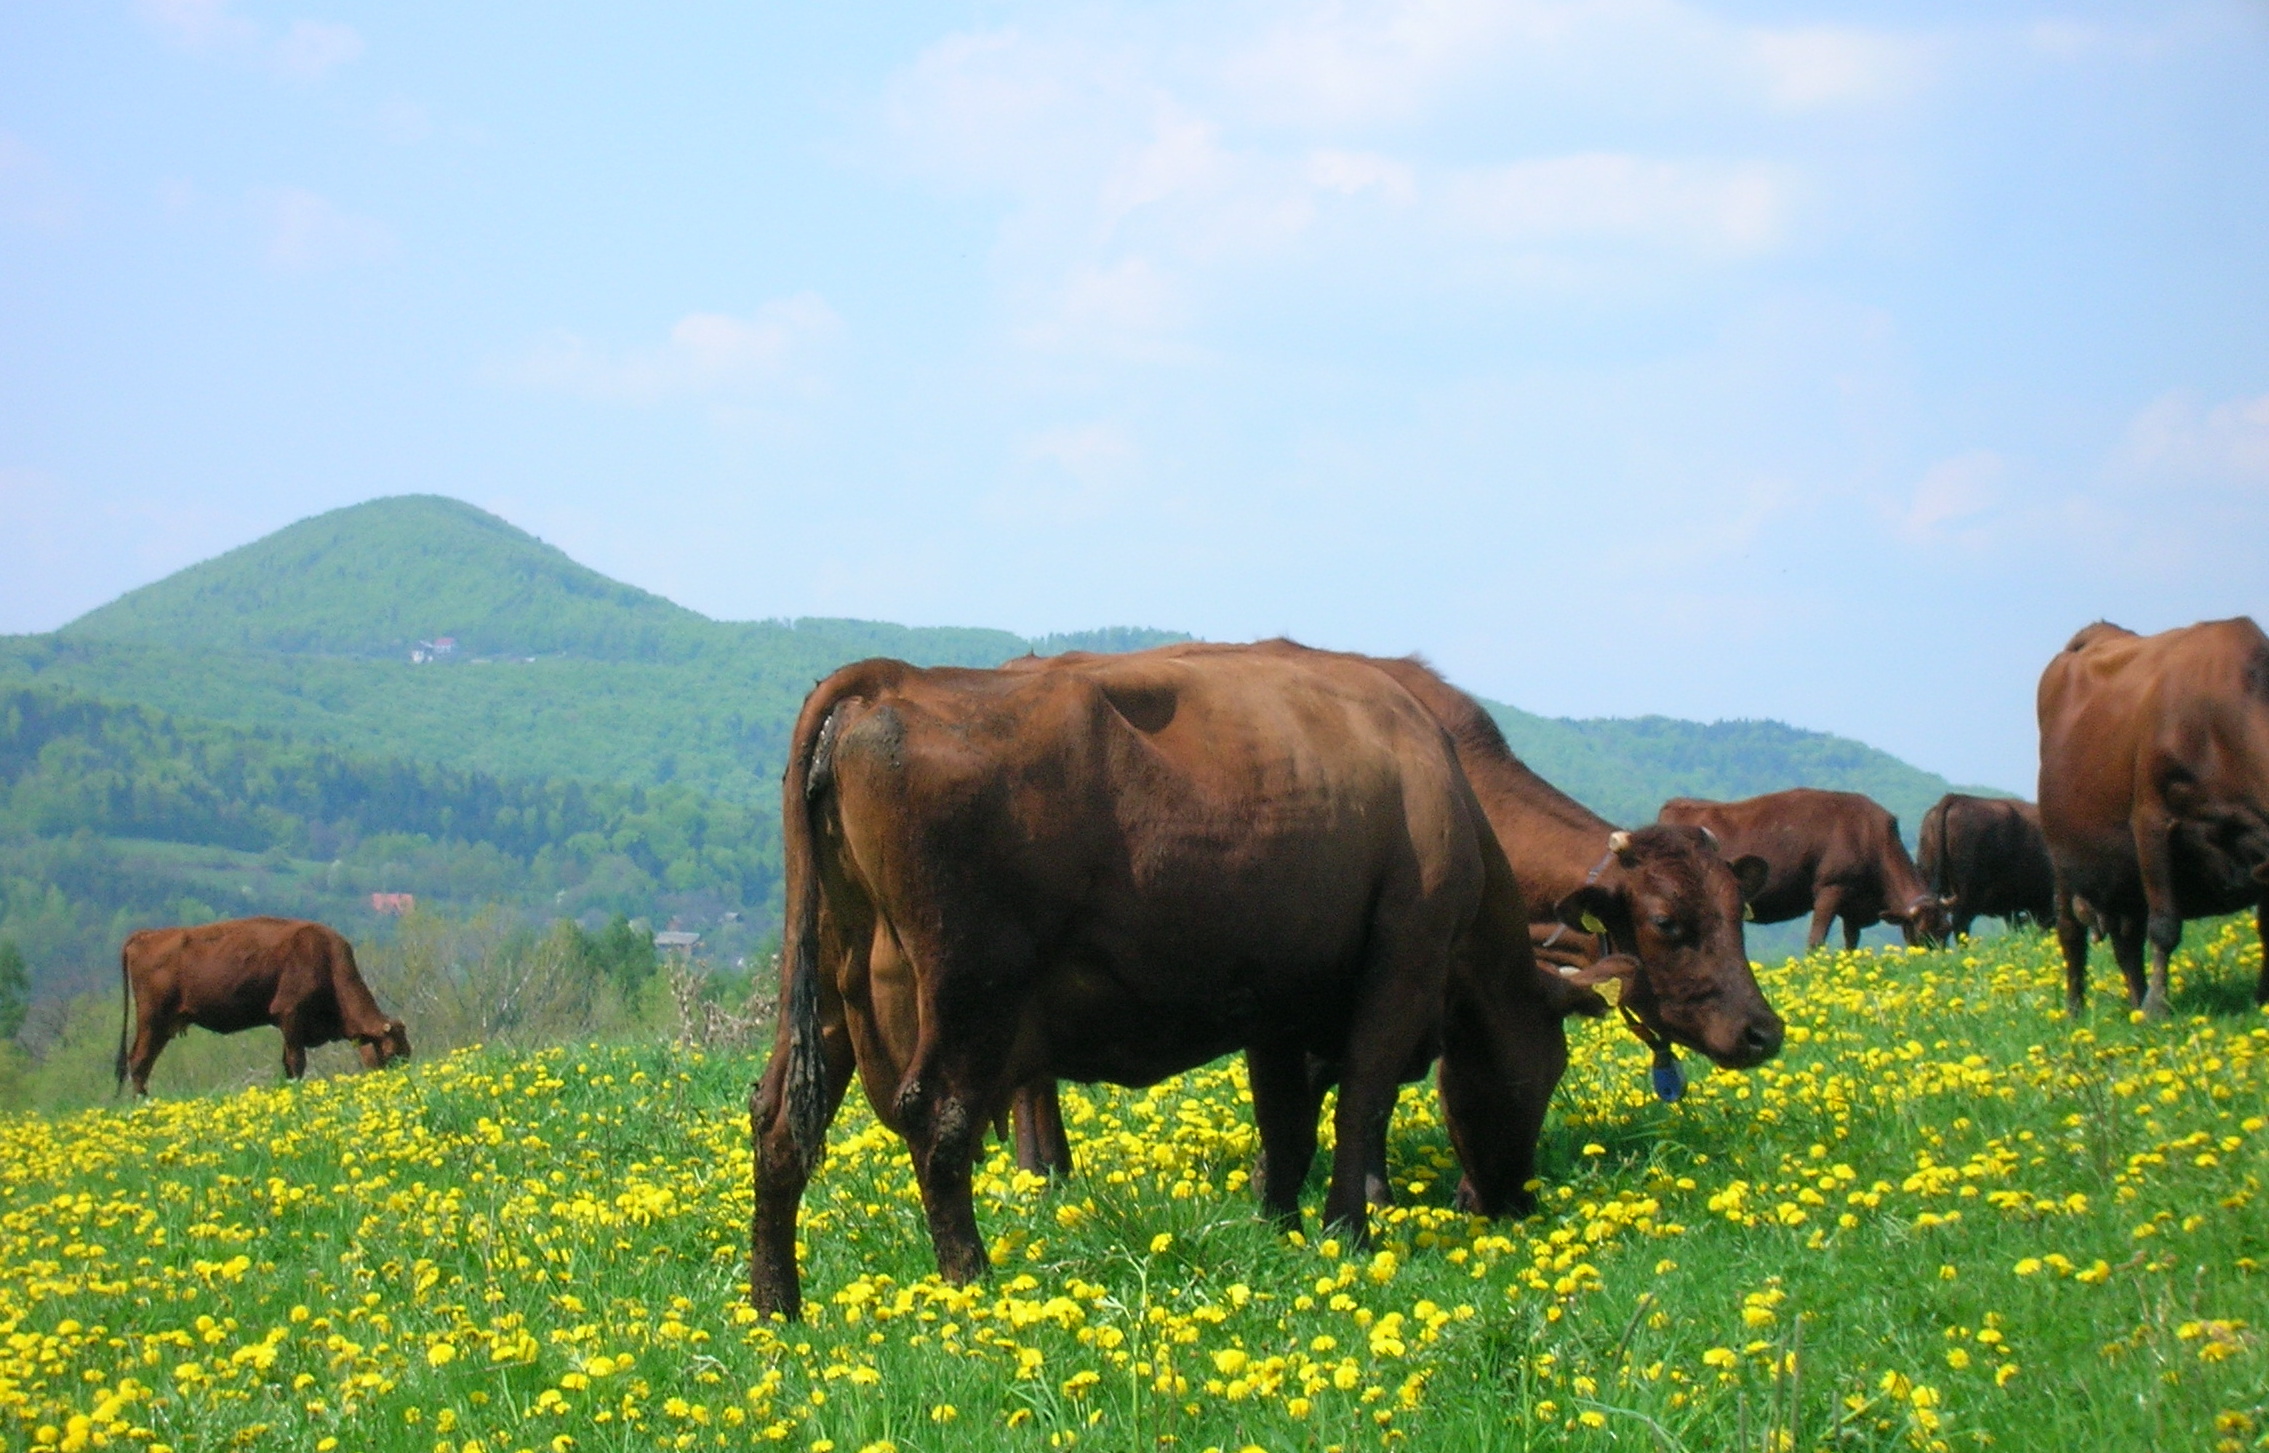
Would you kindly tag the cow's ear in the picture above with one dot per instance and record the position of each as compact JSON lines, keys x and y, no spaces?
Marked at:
{"x":1614,"y":966}
{"x":1897,"y":916}
{"x":1750,"y":871}
{"x":2261,"y":873}
{"x":1592,"y":908}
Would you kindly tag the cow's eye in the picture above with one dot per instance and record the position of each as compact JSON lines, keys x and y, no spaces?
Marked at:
{"x":1665,"y":925}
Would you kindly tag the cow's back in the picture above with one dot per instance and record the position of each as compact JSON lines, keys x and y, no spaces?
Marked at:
{"x":230,"y":975}
{"x":1171,"y":843}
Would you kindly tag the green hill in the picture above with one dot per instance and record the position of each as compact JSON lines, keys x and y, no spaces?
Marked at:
{"x":374,"y":579}
{"x":253,"y":734}
{"x":1625,"y":769}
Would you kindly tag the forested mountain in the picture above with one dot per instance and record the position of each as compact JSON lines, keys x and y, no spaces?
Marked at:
{"x":411,"y":695}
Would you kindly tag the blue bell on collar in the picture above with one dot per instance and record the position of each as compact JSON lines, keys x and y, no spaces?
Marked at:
{"x":1668,"y":1075}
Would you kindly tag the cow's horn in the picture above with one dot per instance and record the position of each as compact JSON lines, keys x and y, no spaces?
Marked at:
{"x":1569,"y":971}
{"x":1619,"y":842}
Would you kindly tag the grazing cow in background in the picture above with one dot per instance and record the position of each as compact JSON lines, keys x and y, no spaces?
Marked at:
{"x":1120,"y":869}
{"x":1984,"y":857}
{"x":1830,"y":854}
{"x":1662,"y":895}
{"x":2155,"y":791}
{"x":299,"y":976}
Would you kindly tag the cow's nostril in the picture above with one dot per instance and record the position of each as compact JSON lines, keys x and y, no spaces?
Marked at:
{"x":1762,"y":1040}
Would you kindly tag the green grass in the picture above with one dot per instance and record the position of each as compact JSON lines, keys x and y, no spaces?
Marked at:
{"x":1939,"y":1181}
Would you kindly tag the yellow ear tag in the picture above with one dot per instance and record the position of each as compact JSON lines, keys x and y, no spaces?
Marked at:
{"x":1592,"y":924}
{"x":1749,"y":913}
{"x":1611,"y":990}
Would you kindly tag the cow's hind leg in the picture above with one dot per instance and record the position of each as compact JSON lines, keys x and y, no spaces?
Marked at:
{"x":2127,"y":951}
{"x":151,"y":1032}
{"x":957,"y":1079}
{"x":1286,"y":1099}
{"x":780,"y":1169}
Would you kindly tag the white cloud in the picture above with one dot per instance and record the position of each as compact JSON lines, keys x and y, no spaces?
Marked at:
{"x":707,"y":355}
{"x":308,"y":50}
{"x":1837,"y":65}
{"x":1334,"y":64}
{"x":31,"y":194}
{"x":1735,"y":208}
{"x":1952,"y":494}
{"x":2175,"y":444}
{"x":302,"y":230}
{"x":313,"y":47}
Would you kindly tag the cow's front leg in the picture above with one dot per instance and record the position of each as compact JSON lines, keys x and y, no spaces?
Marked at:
{"x":2154,"y":855}
{"x":295,"y":1047}
{"x":1826,"y":904}
{"x":1286,"y":1099}
{"x":2072,"y":938}
{"x":2261,"y":928}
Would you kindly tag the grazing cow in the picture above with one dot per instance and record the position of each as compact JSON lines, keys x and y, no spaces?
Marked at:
{"x":1984,"y":857}
{"x":2155,"y":791}
{"x":1830,"y":854}
{"x":299,"y":976}
{"x":1662,"y":895}
{"x":1117,"y":870}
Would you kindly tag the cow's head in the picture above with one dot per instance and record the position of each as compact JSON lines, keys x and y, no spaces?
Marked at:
{"x":1672,"y":908}
{"x":382,"y":1049}
{"x":1924,"y":923}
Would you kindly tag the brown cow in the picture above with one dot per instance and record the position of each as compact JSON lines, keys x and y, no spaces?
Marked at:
{"x":299,"y":976}
{"x":2155,"y":791}
{"x":1661,"y":894}
{"x":1831,"y":854}
{"x":1118,"y":870}
{"x":1984,"y":857}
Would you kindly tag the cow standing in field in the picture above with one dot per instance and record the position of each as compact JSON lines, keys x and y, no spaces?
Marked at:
{"x":2154,"y":791}
{"x":1119,"y":870}
{"x":1830,"y":854}
{"x":298,"y":976}
{"x":1985,"y":857}
{"x":1663,"y":895}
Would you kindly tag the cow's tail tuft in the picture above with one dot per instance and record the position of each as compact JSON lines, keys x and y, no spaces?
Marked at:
{"x":811,"y":771}
{"x":125,"y":1011}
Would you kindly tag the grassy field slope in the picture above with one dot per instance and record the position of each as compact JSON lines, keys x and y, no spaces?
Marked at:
{"x":1945,"y":1218}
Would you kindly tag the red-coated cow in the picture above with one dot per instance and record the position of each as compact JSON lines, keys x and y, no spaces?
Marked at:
{"x":1984,"y":857}
{"x":1830,"y":854}
{"x":298,"y":976}
{"x":2155,"y":791}
{"x":1121,"y":869}
{"x":1662,"y":895}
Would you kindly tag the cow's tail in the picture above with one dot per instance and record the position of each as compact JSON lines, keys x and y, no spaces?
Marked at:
{"x":811,"y":771}
{"x":1939,"y":865}
{"x":125,"y":1009}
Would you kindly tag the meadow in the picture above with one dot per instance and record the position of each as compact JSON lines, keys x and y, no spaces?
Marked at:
{"x":1945,"y":1218}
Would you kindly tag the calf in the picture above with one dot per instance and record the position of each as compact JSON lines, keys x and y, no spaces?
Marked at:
{"x":299,"y":976}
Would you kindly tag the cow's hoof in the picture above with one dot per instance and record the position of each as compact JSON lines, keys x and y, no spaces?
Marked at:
{"x":2155,"y":1004}
{"x":1377,"y":1191}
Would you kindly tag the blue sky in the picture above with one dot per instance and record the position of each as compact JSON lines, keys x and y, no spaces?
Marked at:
{"x":1825,"y":363}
